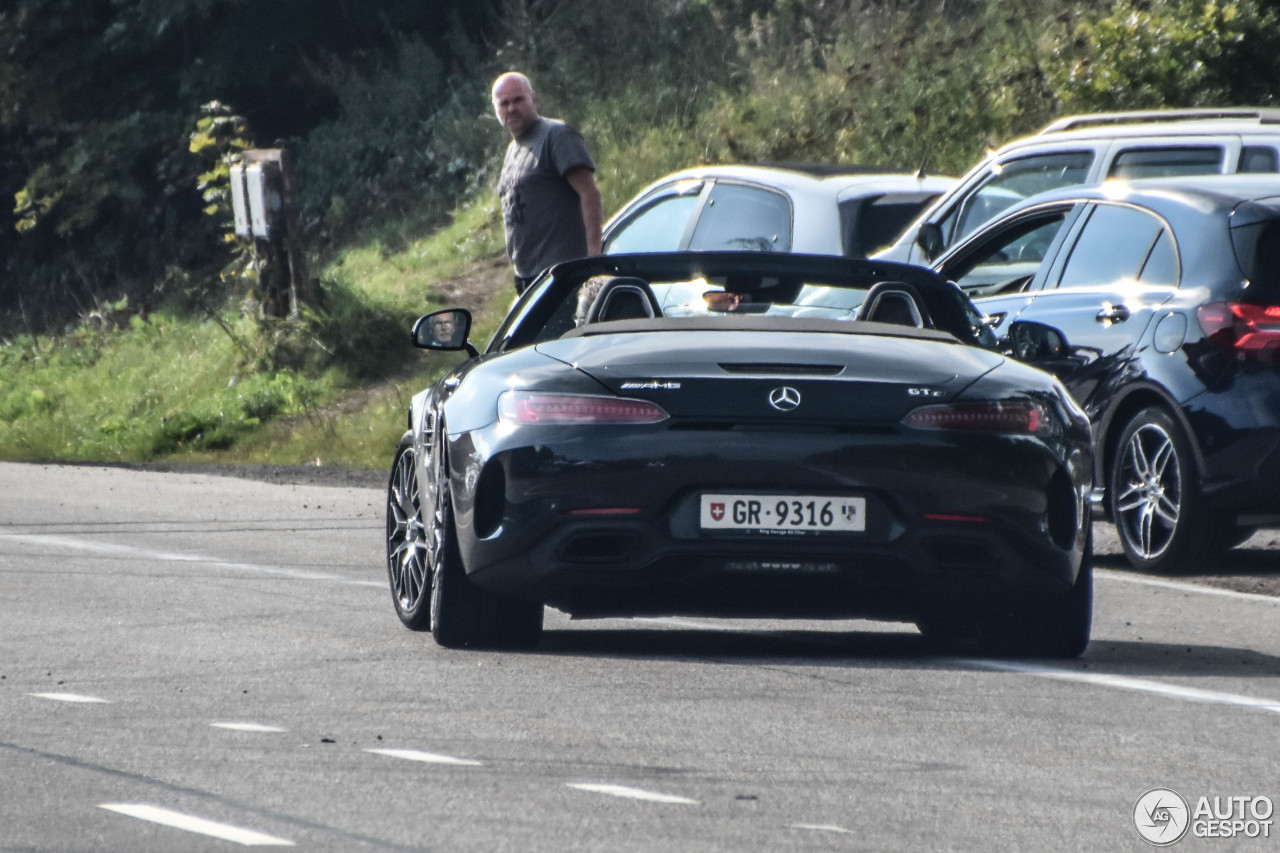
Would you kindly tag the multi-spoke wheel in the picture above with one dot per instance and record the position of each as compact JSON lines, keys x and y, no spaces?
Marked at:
{"x":1164,"y":522}
{"x":408,"y":554}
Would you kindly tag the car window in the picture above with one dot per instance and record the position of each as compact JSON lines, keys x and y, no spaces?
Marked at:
{"x":1113,"y":247}
{"x":1010,"y":183}
{"x":1258,"y":249}
{"x":1162,"y":162}
{"x":742,"y":218}
{"x":658,"y":227}
{"x":1258,"y":158}
{"x":872,"y":223}
{"x":1009,"y":261}
{"x":1161,"y":266}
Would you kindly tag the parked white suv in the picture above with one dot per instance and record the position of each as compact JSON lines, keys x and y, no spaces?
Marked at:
{"x":1088,"y":149}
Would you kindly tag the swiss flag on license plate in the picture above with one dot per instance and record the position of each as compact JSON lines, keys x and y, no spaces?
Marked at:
{"x":717,"y":511}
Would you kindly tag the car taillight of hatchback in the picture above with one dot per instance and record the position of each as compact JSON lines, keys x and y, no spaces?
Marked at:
{"x":1248,"y":332}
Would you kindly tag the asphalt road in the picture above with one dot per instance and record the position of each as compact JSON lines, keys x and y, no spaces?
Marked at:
{"x":198,"y":663}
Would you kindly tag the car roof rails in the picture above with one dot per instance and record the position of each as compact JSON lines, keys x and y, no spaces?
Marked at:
{"x":1261,"y":115}
{"x":823,"y":170}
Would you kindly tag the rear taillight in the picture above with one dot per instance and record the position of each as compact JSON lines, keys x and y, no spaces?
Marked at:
{"x":1007,"y":416}
{"x":1240,"y":329}
{"x":534,"y":407}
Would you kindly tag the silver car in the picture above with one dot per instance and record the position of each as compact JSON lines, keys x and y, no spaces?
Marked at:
{"x":823,"y":210}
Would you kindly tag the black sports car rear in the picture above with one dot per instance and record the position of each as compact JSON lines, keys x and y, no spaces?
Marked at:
{"x":743,"y":435}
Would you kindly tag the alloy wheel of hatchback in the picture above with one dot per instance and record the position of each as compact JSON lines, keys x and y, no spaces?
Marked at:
{"x":1163,"y":520}
{"x":409,"y":550}
{"x":1150,"y":501}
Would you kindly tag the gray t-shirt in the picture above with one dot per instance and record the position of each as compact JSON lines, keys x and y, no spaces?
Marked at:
{"x":541,"y":212}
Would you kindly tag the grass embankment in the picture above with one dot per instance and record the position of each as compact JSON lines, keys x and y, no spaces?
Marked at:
{"x":180,"y":386}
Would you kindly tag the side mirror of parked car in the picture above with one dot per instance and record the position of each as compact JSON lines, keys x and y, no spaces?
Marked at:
{"x":1030,"y":341}
{"x":1045,"y":347}
{"x":929,"y":238}
{"x":444,"y":330}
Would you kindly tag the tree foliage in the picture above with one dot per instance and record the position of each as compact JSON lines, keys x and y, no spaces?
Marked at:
{"x":1176,"y":53}
{"x":98,"y":99}
{"x":383,"y":104}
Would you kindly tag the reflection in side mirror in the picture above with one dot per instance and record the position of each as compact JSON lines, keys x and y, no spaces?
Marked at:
{"x":1030,"y":341}
{"x":929,"y":239}
{"x":443,"y":330}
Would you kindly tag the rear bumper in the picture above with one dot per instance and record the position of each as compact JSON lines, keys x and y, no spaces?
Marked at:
{"x":613,"y":529}
{"x":1238,"y":435}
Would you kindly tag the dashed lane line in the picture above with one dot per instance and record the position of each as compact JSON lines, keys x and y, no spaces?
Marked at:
{"x":200,"y":826}
{"x":248,"y":727}
{"x":71,"y":697}
{"x":631,"y":793}
{"x":111,"y":549}
{"x":822,"y":827}
{"x":428,"y":757}
{"x":1184,"y":586}
{"x":1123,"y":682}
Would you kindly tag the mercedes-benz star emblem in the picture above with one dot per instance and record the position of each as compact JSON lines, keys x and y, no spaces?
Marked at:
{"x":784,"y":399}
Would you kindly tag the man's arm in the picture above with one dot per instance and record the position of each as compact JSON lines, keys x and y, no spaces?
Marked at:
{"x":583,"y":181}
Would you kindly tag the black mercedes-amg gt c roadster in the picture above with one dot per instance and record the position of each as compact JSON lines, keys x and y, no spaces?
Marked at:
{"x":744,"y":435}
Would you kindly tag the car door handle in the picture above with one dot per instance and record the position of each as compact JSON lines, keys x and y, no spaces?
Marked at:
{"x":1113,"y":314}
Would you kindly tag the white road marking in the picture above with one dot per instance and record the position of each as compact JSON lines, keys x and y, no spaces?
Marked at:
{"x":1141,"y":685}
{"x":70,"y":697}
{"x":429,"y":757}
{"x":821,"y":827}
{"x":177,"y":820}
{"x":691,"y":624}
{"x":1183,"y":586}
{"x":175,"y":557}
{"x":632,"y":793}
{"x":247,"y":727}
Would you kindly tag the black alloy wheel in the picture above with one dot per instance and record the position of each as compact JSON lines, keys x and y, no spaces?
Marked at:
{"x":408,"y":558}
{"x":1164,"y":522}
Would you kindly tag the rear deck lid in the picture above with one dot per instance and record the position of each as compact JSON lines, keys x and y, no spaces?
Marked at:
{"x":748,"y":376}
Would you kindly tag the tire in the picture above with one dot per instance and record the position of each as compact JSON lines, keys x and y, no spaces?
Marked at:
{"x":407,"y":567}
{"x":1053,"y":627}
{"x":1241,"y":535}
{"x":1060,"y":627}
{"x":465,"y":616}
{"x":1042,"y":628}
{"x":1163,"y":520}
{"x":462,"y":614}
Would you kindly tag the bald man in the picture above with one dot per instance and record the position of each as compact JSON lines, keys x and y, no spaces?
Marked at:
{"x":551,"y":206}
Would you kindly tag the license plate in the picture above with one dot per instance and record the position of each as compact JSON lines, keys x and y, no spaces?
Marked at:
{"x":784,"y":513}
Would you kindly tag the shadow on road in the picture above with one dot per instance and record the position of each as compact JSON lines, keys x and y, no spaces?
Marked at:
{"x":729,"y":645}
{"x":1176,"y":659}
{"x":893,"y":649}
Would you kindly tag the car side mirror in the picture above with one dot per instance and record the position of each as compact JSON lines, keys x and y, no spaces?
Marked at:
{"x":443,"y":330}
{"x":929,"y":239}
{"x":1046,"y":347}
{"x":1030,"y":341}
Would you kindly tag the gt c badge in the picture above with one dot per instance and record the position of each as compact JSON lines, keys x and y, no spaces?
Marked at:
{"x":784,"y":399}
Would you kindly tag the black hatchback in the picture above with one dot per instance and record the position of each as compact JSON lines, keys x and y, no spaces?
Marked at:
{"x":1167,"y":293}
